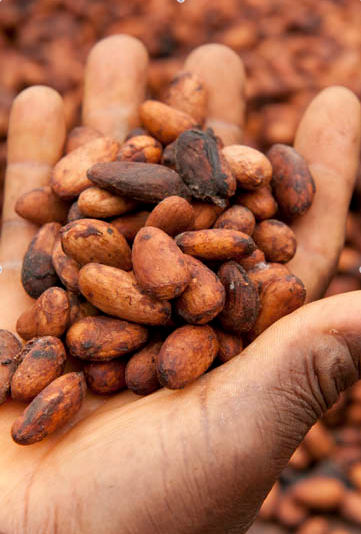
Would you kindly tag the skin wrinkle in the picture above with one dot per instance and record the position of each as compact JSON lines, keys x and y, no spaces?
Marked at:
{"x":174,"y":416}
{"x":72,"y":521}
{"x":313,"y":381}
{"x":240,"y":459}
{"x":211,"y":450}
{"x":28,"y":163}
{"x":179,"y":496}
{"x":304,"y":397}
{"x":190,"y":484}
{"x":27,"y":497}
{"x":284,"y":418}
{"x":283,"y":413}
{"x":16,"y":221}
{"x":185,"y":481}
{"x":291,"y":386}
{"x":188,"y":478}
{"x":164,"y":467}
{"x":25,"y":521}
{"x":78,"y":518}
{"x":328,"y":370}
{"x":55,"y":520}
{"x":149,"y":517}
{"x":354,"y":352}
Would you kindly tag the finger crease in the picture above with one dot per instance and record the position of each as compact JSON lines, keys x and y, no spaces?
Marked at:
{"x":29,"y":163}
{"x":10,"y":265}
{"x":15,"y":221}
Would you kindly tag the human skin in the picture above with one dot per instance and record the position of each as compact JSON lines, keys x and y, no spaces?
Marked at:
{"x":199,"y":460}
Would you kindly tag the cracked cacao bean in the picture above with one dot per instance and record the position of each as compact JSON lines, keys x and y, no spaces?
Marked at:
{"x":203,"y":167}
{"x":38,"y":273}
{"x":242,"y":305}
{"x":10,"y":348}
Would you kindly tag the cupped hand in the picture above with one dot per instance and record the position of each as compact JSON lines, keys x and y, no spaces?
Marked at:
{"x":200,"y":460}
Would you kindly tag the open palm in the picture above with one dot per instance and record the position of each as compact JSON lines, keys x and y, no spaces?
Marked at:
{"x":199,"y":460}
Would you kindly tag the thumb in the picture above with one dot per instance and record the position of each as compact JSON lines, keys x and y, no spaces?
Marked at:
{"x":286,"y":380}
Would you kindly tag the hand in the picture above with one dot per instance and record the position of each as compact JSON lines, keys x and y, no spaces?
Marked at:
{"x":200,"y":460}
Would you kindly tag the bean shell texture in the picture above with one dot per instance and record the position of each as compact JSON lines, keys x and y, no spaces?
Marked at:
{"x":237,"y":218}
{"x":242,"y":305}
{"x":254,"y":259}
{"x":204,"y":297}
{"x":164,"y":122}
{"x":146,"y":182}
{"x":69,"y":176}
{"x":263,"y":273}
{"x":51,"y":409}
{"x":205,"y":214}
{"x":185,"y":355}
{"x":48,"y":316}
{"x":187,"y":93}
{"x":141,"y":371}
{"x":79,"y":307}
{"x":278,"y":298}
{"x":38,"y":273}
{"x":66,"y":268}
{"x":141,"y":148}
{"x":42,"y":206}
{"x":100,"y":204}
{"x":129,"y":225}
{"x":117,"y":293}
{"x":105,"y":377}
{"x":80,"y":135}
{"x":159,"y":265}
{"x":261,"y":202}
{"x":216,"y":244}
{"x":41,"y":361}
{"x":91,"y":240}
{"x":104,"y":338}
{"x":203,"y":167}
{"x":173,"y":215}
{"x":276,"y":240}
{"x":292,"y":182}
{"x":230,"y":345}
{"x":250,"y":167}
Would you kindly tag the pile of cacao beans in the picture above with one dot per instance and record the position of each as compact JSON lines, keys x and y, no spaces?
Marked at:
{"x":291,"y":51}
{"x":154,"y":261}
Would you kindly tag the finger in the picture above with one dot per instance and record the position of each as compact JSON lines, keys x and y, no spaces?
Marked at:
{"x":223,"y":75}
{"x":217,"y":446}
{"x":35,"y":142}
{"x":329,"y":137}
{"x":115,"y":84}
